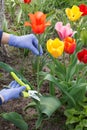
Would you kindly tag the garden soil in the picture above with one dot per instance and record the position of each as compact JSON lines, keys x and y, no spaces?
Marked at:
{"x":14,"y":57}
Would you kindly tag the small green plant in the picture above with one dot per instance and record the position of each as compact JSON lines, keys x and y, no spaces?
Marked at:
{"x":77,"y":118}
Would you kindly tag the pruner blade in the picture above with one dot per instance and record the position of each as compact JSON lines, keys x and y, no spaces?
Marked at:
{"x":34,"y":94}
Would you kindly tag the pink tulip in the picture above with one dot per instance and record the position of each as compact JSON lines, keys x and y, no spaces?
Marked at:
{"x":64,"y":31}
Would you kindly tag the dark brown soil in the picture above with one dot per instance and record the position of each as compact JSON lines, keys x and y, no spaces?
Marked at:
{"x":15,"y":59}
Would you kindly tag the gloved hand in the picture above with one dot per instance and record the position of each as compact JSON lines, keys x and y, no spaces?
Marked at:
{"x":13,"y":92}
{"x":26,"y":41}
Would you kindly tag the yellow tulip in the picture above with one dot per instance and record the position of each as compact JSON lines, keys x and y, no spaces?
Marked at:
{"x":74,"y":13}
{"x":55,"y":47}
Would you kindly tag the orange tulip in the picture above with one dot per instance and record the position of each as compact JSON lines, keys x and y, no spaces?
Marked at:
{"x":69,"y":45}
{"x":38,"y":22}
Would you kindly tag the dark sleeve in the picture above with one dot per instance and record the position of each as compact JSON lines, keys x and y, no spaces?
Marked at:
{"x":0,"y":101}
{"x":1,"y":32}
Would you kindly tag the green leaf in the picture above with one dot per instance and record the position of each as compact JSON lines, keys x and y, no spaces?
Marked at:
{"x":19,"y":16}
{"x":59,"y":66}
{"x":72,"y":68}
{"x":16,"y":119}
{"x":49,"y":104}
{"x":5,"y":24}
{"x":32,"y":104}
{"x":72,"y":120}
{"x":40,"y":119}
{"x":83,"y":36}
{"x":26,"y":51}
{"x":78,"y":91}
{"x":79,"y":127}
{"x":6,"y":67}
{"x":84,"y":123}
{"x":51,"y":78}
{"x":72,"y":116}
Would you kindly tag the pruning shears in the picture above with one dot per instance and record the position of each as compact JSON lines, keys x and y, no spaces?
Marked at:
{"x":28,"y":92}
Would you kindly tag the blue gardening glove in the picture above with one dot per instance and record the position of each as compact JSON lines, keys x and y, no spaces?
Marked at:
{"x":13,"y":92}
{"x":26,"y":41}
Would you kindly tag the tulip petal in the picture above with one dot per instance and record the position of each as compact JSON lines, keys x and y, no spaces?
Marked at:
{"x":69,"y":45}
{"x":27,"y":24}
{"x":38,"y":22}
{"x":55,"y":47}
{"x":32,"y":18}
{"x":64,"y":31}
{"x":74,"y":13}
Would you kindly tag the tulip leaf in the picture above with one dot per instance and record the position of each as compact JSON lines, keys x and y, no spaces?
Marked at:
{"x":6,"y":67}
{"x":59,"y":66}
{"x":16,"y":119}
{"x":78,"y":92}
{"x":32,"y":105}
{"x":49,"y":104}
{"x":38,"y":122}
{"x":19,"y":16}
{"x":51,"y":78}
{"x":72,"y":68}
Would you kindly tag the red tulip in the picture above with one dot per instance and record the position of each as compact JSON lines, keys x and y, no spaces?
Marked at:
{"x":83,"y":9}
{"x":82,"y":56}
{"x":69,"y":45}
{"x":27,"y":1}
{"x":38,"y":22}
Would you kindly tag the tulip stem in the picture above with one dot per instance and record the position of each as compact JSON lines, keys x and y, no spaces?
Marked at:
{"x":64,"y":59}
{"x":38,"y":63}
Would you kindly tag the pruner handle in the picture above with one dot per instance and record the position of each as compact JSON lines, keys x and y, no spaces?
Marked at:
{"x":25,"y":94}
{"x":18,"y":80}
